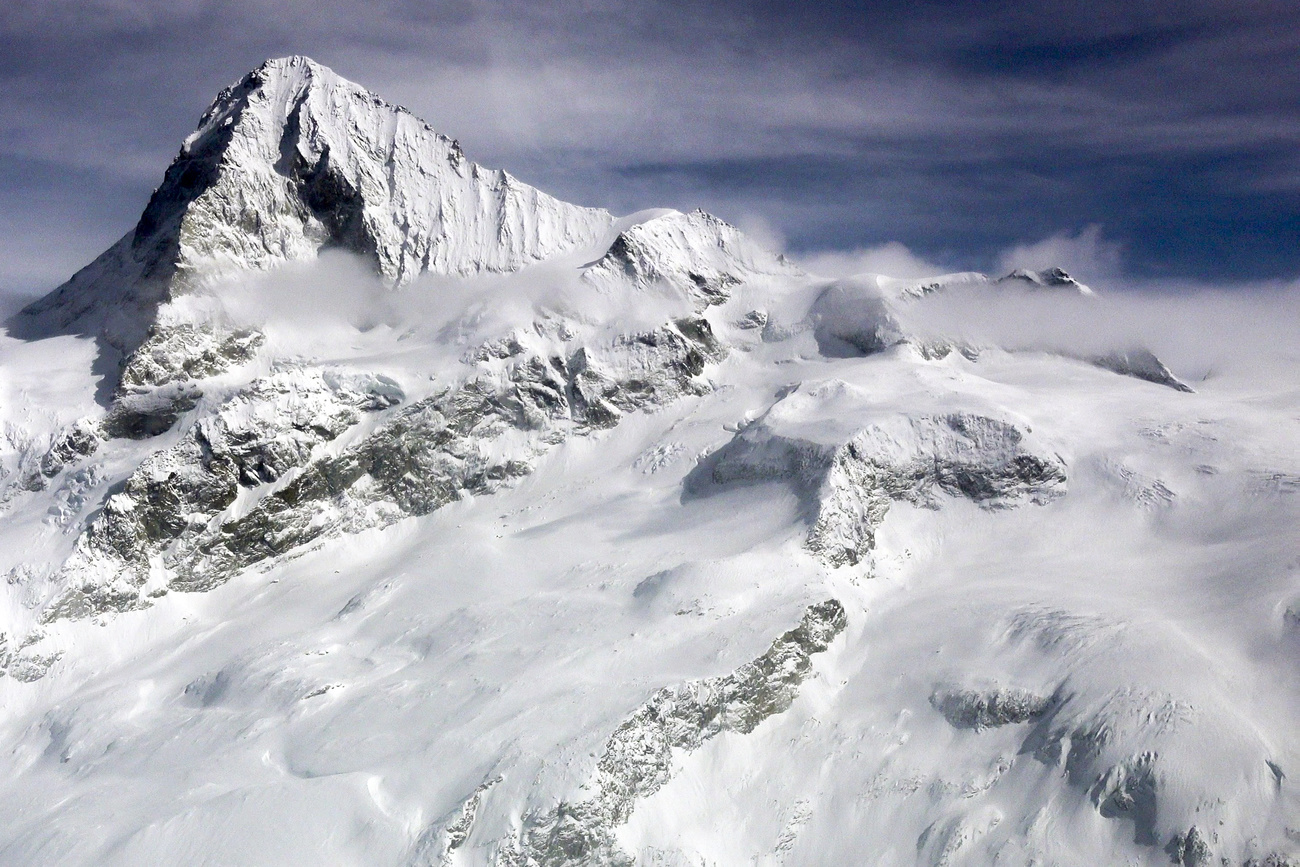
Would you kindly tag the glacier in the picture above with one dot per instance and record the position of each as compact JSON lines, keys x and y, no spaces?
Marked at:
{"x":366,"y":506}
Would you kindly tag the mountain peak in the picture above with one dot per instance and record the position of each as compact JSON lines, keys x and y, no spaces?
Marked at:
{"x":1048,"y":278}
{"x":278,"y":86}
{"x":289,"y":64}
{"x":295,"y":67}
{"x":293,"y":159}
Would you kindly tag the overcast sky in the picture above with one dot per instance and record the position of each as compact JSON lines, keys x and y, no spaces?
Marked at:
{"x":1150,"y":139}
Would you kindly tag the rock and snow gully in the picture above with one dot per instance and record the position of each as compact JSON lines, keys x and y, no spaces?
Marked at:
{"x":364,"y":505}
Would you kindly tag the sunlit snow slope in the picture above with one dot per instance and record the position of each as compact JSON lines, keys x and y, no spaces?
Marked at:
{"x":377,"y":509}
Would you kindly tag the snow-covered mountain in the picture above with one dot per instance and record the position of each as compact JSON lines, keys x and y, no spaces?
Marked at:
{"x":290,"y":161}
{"x":363,"y":505}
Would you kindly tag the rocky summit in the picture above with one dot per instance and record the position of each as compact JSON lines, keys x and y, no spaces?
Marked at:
{"x":366,"y":505}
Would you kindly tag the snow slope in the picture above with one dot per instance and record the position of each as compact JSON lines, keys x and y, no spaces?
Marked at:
{"x":638,"y":546}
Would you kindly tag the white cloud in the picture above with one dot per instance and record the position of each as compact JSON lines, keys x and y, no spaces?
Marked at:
{"x":762,"y":231}
{"x":892,"y":259}
{"x":1198,"y":331}
{"x":1085,"y":255}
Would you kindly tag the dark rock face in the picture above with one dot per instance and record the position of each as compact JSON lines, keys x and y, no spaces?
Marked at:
{"x":637,"y":759}
{"x":471,"y":439}
{"x":194,"y":171}
{"x":116,"y":297}
{"x":712,"y":290}
{"x":1191,"y":849}
{"x":1129,"y":791}
{"x":253,"y":439}
{"x":848,"y":488}
{"x":433,"y":452}
{"x":962,"y":455}
{"x":1050,"y":278}
{"x":79,"y":441}
{"x":973,"y":709}
{"x":180,"y":353}
{"x":147,"y":414}
{"x":336,"y":203}
{"x":1125,"y":790}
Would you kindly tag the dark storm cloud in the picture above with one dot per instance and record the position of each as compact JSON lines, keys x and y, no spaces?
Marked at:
{"x":960,"y":129}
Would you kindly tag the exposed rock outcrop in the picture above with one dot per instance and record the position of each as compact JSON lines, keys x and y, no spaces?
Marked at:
{"x":169,"y":527}
{"x":253,"y":439}
{"x":1049,"y":278}
{"x":638,"y":759}
{"x":849,"y":475}
{"x":1164,"y":752}
{"x":467,"y":440}
{"x":982,"y":709}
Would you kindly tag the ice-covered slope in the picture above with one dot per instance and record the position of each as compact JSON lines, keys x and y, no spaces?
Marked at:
{"x":654,"y":551}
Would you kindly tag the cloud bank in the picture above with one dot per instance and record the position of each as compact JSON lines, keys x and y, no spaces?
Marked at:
{"x":1201,"y":332}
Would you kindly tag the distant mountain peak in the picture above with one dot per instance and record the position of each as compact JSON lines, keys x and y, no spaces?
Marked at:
{"x":1048,"y":278}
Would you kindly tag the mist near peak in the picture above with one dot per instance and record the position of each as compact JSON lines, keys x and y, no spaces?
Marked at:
{"x":1199,"y":331}
{"x":1084,"y":252}
{"x":892,"y":259}
{"x":310,"y":305}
